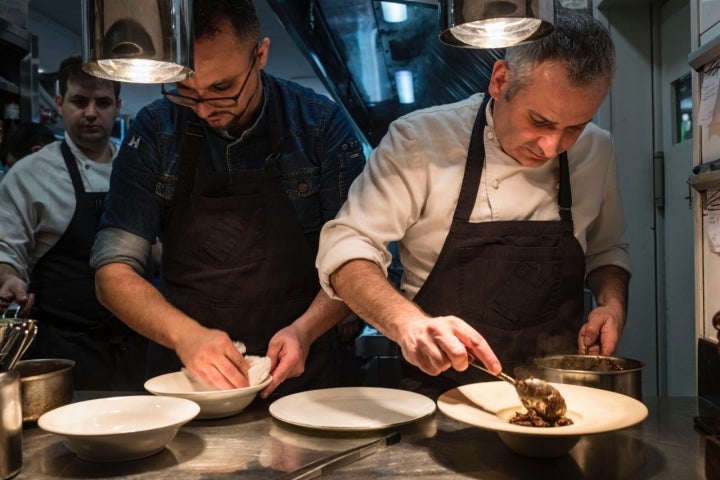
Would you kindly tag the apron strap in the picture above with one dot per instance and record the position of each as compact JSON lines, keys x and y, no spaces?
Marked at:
{"x":476,"y":162}
{"x":565,"y":191}
{"x":473,"y":166}
{"x":71,"y":164}
{"x":192,"y":141}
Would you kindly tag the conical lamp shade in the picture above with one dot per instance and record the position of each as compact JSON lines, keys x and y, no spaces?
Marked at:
{"x":140,"y":41}
{"x":494,"y":23}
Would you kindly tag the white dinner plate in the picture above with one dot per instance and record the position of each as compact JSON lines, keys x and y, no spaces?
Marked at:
{"x":352,"y":408}
{"x":490,"y":405}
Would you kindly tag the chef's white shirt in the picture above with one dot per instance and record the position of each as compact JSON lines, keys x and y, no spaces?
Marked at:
{"x":410,"y":186}
{"x":37,"y":202}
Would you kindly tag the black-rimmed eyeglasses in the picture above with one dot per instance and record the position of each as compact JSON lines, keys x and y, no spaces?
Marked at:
{"x":215,"y":102}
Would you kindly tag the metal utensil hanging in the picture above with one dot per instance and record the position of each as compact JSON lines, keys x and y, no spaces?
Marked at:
{"x":16,"y":335}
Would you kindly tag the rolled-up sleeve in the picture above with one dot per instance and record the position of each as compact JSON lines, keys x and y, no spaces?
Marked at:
{"x":369,"y":219}
{"x":135,"y":202}
{"x":113,"y":245}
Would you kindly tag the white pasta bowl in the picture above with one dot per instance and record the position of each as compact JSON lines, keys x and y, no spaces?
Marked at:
{"x":490,"y":405}
{"x":119,"y":429}
{"x":213,"y":403}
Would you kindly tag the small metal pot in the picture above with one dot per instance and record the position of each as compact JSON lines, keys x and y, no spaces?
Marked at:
{"x":621,"y":375}
{"x":45,"y":384}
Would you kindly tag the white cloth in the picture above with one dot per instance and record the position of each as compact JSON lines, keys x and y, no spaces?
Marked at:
{"x":37,"y":202}
{"x":410,"y":186}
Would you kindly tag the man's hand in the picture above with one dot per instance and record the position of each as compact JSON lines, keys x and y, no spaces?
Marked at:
{"x":288,"y":350}
{"x":601,"y":334}
{"x":437,"y":344}
{"x":14,"y":289}
{"x":212,"y":356}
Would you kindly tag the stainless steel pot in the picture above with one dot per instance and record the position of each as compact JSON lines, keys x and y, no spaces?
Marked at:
{"x":45,"y":384}
{"x":621,"y":375}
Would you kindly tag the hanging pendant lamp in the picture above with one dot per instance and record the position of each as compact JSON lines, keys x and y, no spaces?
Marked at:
{"x":494,"y":23}
{"x":140,"y":41}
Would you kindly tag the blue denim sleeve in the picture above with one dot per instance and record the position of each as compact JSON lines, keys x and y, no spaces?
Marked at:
{"x":342,"y":161}
{"x":118,"y":246}
{"x":134,"y":204}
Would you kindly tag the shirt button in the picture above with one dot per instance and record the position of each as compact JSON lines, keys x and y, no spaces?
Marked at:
{"x":303,"y":188}
{"x":87,"y":166}
{"x":496,"y":184}
{"x":490,"y":135}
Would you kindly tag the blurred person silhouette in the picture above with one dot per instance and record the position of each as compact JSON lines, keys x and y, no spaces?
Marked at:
{"x":52,"y":201}
{"x":22,"y":140}
{"x":234,"y":171}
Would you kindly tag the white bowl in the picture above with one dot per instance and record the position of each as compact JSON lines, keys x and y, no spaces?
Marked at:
{"x":213,"y":403}
{"x":118,"y":429}
{"x":490,"y":405}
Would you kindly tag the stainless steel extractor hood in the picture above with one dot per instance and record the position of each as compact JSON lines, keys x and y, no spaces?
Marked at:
{"x":368,"y":62}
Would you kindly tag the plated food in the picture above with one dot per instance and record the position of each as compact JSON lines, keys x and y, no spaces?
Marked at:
{"x":531,"y":418}
{"x":490,"y":405}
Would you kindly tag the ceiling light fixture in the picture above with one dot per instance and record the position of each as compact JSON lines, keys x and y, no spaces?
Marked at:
{"x":404,"y":85}
{"x":394,"y":12}
{"x":139,"y":41}
{"x":494,"y":23}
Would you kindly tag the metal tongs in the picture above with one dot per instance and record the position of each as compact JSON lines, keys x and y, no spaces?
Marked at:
{"x":16,"y":335}
{"x":28,"y":331}
{"x":319,"y":467}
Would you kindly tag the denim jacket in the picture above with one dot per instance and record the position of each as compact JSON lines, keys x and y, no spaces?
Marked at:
{"x":320,"y":157}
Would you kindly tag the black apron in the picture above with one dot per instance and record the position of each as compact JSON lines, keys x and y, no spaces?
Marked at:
{"x":235,"y":258}
{"x":71,"y":322}
{"x":519,"y":283}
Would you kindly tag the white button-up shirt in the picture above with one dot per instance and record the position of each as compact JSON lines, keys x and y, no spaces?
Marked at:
{"x":37,"y":202}
{"x":410,"y":186}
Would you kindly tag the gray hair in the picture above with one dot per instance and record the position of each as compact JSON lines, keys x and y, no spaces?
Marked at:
{"x":579,"y":42}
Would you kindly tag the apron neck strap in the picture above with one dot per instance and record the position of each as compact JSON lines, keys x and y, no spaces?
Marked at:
{"x":474,"y":165}
{"x":192,"y":141}
{"x":71,"y":165}
{"x":565,"y":192}
{"x":476,"y":162}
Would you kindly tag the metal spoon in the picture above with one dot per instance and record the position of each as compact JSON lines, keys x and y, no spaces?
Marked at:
{"x":534,"y":394}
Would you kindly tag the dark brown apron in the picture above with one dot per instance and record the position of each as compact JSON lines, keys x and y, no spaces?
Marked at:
{"x":72,"y":323}
{"x":519,"y":283}
{"x":235,"y":258}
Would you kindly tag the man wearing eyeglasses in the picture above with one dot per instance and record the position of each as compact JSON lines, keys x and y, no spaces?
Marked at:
{"x":235,"y":171}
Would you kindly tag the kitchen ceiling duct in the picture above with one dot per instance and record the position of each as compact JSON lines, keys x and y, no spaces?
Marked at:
{"x":141,"y":41}
{"x":379,"y":68}
{"x":494,"y":23}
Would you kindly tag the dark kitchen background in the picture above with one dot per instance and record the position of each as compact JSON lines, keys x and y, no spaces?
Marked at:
{"x":350,"y":51}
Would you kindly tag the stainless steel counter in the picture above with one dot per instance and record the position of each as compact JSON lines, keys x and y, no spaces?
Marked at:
{"x":252,"y":445}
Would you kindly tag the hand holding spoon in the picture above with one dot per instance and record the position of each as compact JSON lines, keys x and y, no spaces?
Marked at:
{"x":534,"y":394}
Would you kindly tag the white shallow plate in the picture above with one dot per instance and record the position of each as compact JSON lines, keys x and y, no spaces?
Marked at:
{"x":490,"y":405}
{"x":352,"y":408}
{"x":119,"y":428}
{"x":213,"y":403}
